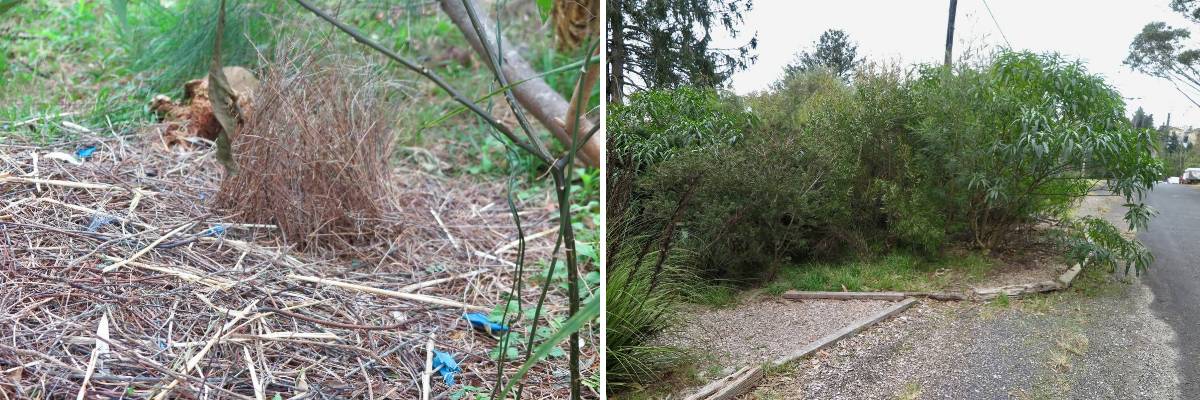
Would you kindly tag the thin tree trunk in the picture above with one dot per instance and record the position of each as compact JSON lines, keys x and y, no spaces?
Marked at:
{"x":616,"y":52}
{"x":670,"y":234}
{"x":546,"y":105}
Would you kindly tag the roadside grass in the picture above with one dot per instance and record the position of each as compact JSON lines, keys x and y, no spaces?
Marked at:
{"x":893,"y":272}
{"x":714,"y":295}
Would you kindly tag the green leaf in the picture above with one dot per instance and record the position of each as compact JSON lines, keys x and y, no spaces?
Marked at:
{"x":497,"y":314}
{"x":545,"y":8}
{"x":587,"y":251}
{"x":592,"y":278}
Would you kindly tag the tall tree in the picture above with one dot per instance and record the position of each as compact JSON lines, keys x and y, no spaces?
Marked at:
{"x":833,"y":51}
{"x":1162,"y":51}
{"x":1141,"y":120}
{"x":666,"y":44}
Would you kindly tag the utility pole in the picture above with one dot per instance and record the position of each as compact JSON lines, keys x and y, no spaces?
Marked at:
{"x":950,"y":31}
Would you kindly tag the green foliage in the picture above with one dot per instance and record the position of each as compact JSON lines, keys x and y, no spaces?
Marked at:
{"x":1163,"y":51}
{"x":659,"y":125}
{"x":1100,"y":243}
{"x":173,"y":45}
{"x":586,"y":315}
{"x":1016,"y":141}
{"x":894,"y":272}
{"x":914,"y":161}
{"x":1141,"y":120}
{"x":833,"y":52}
{"x":715,"y":295}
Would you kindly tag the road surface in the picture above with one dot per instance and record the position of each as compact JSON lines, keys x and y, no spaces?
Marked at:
{"x":1174,"y":238}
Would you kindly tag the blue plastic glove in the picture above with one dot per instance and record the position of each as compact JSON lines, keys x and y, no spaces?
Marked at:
{"x":481,"y":322}
{"x":444,"y":364}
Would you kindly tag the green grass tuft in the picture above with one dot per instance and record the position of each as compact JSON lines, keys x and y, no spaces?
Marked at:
{"x":894,"y":272}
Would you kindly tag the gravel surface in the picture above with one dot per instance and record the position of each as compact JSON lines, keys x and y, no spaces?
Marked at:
{"x":761,"y":330}
{"x":1099,"y":343}
{"x":1108,"y":347}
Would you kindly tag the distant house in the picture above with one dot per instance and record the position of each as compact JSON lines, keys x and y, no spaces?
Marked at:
{"x":1188,"y":135}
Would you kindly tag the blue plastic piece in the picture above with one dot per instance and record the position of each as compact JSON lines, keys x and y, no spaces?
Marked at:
{"x":444,"y":364}
{"x":85,"y":152}
{"x":481,"y":322}
{"x":217,"y":230}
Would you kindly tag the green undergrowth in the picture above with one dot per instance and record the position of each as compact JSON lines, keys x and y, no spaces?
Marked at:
{"x":894,"y":272}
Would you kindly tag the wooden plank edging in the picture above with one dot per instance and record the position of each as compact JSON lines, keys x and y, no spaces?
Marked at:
{"x":849,"y":330}
{"x":806,"y":295}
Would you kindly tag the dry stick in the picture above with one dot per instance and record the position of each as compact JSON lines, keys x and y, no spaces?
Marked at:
{"x":447,"y":231}
{"x":116,"y":265}
{"x":514,"y":243}
{"x":334,"y":324}
{"x":98,"y":212}
{"x":216,"y":283}
{"x":388,"y":293}
{"x":258,"y":389}
{"x":37,"y":186}
{"x":101,"y":330}
{"x":421,"y":285}
{"x":142,"y":360}
{"x":36,"y":119}
{"x":72,"y":184}
{"x":425,"y":390}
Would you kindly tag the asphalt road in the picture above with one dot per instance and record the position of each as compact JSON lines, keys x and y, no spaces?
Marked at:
{"x":1174,"y":238}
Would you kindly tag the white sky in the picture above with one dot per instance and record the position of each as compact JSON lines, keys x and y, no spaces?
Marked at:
{"x":1097,"y":32}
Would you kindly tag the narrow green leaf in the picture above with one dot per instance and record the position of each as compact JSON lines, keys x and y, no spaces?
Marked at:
{"x":545,"y":7}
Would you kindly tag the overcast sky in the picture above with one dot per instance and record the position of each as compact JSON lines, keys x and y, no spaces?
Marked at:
{"x":1098,"y":32}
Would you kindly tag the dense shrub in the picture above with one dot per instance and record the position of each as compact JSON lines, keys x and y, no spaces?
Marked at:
{"x":917,"y":161}
{"x":899,"y":159}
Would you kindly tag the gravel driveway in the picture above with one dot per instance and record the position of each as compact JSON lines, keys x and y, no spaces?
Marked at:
{"x":759,"y":330}
{"x":1100,"y":340}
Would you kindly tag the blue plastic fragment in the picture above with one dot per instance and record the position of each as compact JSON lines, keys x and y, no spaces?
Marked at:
{"x":444,"y":364}
{"x":482,"y":323}
{"x":217,"y":230}
{"x":99,"y":221}
{"x":85,"y":152}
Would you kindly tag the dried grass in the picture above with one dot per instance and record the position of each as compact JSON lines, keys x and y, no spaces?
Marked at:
{"x":313,"y":152}
{"x":222,"y":315}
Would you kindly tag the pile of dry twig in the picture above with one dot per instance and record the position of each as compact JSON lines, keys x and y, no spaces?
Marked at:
{"x":117,"y":280}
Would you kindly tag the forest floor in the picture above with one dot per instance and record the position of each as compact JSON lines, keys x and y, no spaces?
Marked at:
{"x":216,"y":307}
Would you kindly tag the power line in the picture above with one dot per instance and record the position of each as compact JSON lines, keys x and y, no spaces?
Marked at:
{"x":997,"y":23}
